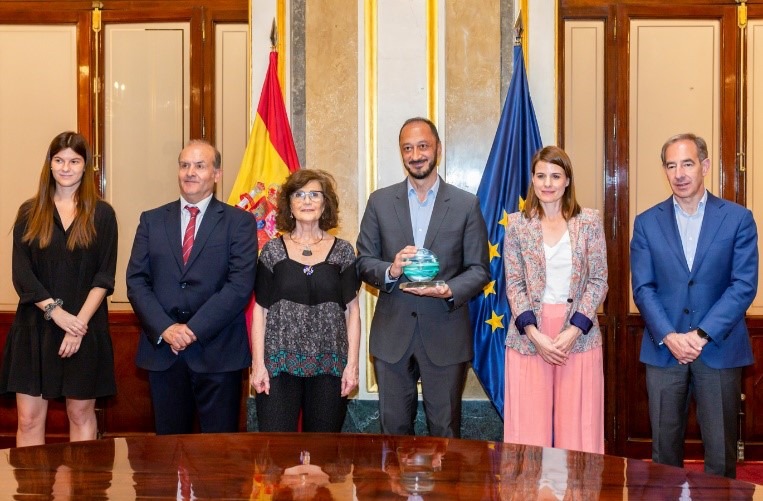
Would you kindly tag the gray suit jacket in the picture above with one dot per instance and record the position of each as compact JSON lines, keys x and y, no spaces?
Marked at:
{"x":458,"y":236}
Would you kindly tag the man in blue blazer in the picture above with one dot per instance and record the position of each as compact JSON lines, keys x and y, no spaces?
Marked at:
{"x":422,"y":333}
{"x":190,"y":276}
{"x":694,"y":271}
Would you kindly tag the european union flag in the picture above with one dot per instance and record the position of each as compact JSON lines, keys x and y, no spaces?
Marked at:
{"x":502,"y":189}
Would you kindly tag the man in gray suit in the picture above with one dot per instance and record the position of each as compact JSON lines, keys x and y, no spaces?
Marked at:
{"x":422,"y":333}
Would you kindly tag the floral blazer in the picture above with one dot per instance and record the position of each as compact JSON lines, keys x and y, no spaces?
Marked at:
{"x":525,"y":263}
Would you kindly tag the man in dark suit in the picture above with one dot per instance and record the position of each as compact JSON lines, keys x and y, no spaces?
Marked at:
{"x":190,"y":276}
{"x":694,"y":270}
{"x":422,"y":333}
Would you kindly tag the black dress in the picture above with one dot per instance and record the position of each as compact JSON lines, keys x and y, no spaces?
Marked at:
{"x":31,"y":364}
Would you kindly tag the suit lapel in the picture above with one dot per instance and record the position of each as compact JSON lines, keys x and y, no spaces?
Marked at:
{"x":439,"y":213}
{"x":669,"y":228}
{"x":212,"y":216}
{"x":711,"y":223}
{"x":172,"y":229}
{"x":403,"y":211}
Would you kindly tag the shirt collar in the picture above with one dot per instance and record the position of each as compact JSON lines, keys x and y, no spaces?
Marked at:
{"x":700,"y":206}
{"x":202,"y":205}
{"x":432,"y":191}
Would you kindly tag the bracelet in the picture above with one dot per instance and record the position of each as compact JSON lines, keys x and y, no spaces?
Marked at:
{"x":52,"y":306}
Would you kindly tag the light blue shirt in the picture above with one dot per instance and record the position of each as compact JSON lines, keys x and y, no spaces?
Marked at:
{"x":421,"y":212}
{"x":689,"y":226}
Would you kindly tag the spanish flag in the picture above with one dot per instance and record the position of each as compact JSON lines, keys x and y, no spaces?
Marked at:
{"x":269,"y":158}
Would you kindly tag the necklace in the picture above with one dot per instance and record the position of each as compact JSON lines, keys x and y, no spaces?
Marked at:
{"x":306,"y":251}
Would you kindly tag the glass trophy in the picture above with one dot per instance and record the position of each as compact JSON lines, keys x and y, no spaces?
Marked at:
{"x":421,"y":269}
{"x":416,"y":471}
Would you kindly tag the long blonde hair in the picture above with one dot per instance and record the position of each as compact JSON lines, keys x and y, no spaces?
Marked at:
{"x":39,"y":209}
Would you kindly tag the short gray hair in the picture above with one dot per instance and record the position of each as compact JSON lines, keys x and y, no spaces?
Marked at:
{"x":686,"y":136}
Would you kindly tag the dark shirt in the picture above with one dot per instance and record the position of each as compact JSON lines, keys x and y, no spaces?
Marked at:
{"x":306,"y":329}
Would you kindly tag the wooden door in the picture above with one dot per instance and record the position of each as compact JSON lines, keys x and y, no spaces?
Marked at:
{"x":651,"y":71}
{"x":58,"y":55}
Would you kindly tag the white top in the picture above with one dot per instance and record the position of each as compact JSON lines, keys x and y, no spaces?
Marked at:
{"x":558,"y":270}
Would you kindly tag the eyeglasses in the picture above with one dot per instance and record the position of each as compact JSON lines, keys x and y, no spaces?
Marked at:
{"x":314,"y":196}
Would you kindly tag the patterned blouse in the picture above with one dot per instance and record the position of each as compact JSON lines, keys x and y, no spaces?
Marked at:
{"x":305,"y":329}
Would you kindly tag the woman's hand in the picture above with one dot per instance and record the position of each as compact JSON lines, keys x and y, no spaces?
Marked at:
{"x":259,"y":378}
{"x":545,"y":346}
{"x":566,"y":339}
{"x":349,"y":379}
{"x":69,"y":346}
{"x":68,"y":322}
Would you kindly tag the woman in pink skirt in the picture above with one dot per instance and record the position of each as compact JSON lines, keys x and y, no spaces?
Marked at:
{"x":556,"y":277}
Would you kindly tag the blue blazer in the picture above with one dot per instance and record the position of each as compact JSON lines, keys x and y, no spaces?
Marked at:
{"x":212,"y":290}
{"x":713,"y":296}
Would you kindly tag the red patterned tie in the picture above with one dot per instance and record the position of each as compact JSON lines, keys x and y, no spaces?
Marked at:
{"x":189,"y":232}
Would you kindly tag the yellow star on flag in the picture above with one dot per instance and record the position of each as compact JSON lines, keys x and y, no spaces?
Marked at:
{"x":489,"y":288}
{"x":496,"y":321}
{"x":521,"y":204}
{"x":504,"y":220}
{"x":493,"y":250}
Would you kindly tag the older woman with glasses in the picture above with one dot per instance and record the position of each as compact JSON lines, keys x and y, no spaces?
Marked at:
{"x":306,"y":322}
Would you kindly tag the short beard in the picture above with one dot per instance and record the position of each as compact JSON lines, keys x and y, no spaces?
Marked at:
{"x":424,"y":173}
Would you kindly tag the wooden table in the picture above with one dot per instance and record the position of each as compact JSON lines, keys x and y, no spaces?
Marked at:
{"x":265,"y":466}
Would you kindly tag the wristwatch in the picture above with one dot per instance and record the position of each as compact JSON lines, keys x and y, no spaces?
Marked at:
{"x":702,"y":334}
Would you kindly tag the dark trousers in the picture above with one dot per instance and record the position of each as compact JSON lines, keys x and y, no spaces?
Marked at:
{"x":317,"y":397}
{"x":441,"y":388}
{"x":717,"y":393}
{"x":179,"y":393}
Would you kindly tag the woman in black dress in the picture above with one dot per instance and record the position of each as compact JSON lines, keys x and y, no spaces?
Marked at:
{"x":64,"y":260}
{"x":306,"y":323}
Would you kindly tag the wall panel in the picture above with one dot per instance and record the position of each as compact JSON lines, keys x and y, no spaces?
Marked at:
{"x":231,"y":114}
{"x":675,"y":87}
{"x":754,"y":160}
{"x":147,"y":101}
{"x":38,"y":99}
{"x":584,"y":108}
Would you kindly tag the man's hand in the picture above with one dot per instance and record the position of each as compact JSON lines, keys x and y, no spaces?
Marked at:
{"x":401,"y":259}
{"x":178,"y":336}
{"x":439,"y":291}
{"x":683,"y":347}
{"x":693,"y":338}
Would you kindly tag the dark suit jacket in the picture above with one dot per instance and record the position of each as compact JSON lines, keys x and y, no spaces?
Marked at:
{"x":214,"y":287}
{"x":713,"y":296}
{"x":458,"y":236}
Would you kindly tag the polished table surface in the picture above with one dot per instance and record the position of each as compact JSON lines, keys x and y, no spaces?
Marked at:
{"x":282,"y":466}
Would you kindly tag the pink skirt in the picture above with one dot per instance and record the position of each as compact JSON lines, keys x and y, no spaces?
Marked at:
{"x":555,"y":405}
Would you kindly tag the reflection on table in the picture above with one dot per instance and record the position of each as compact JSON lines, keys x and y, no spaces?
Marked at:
{"x":283,"y":466}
